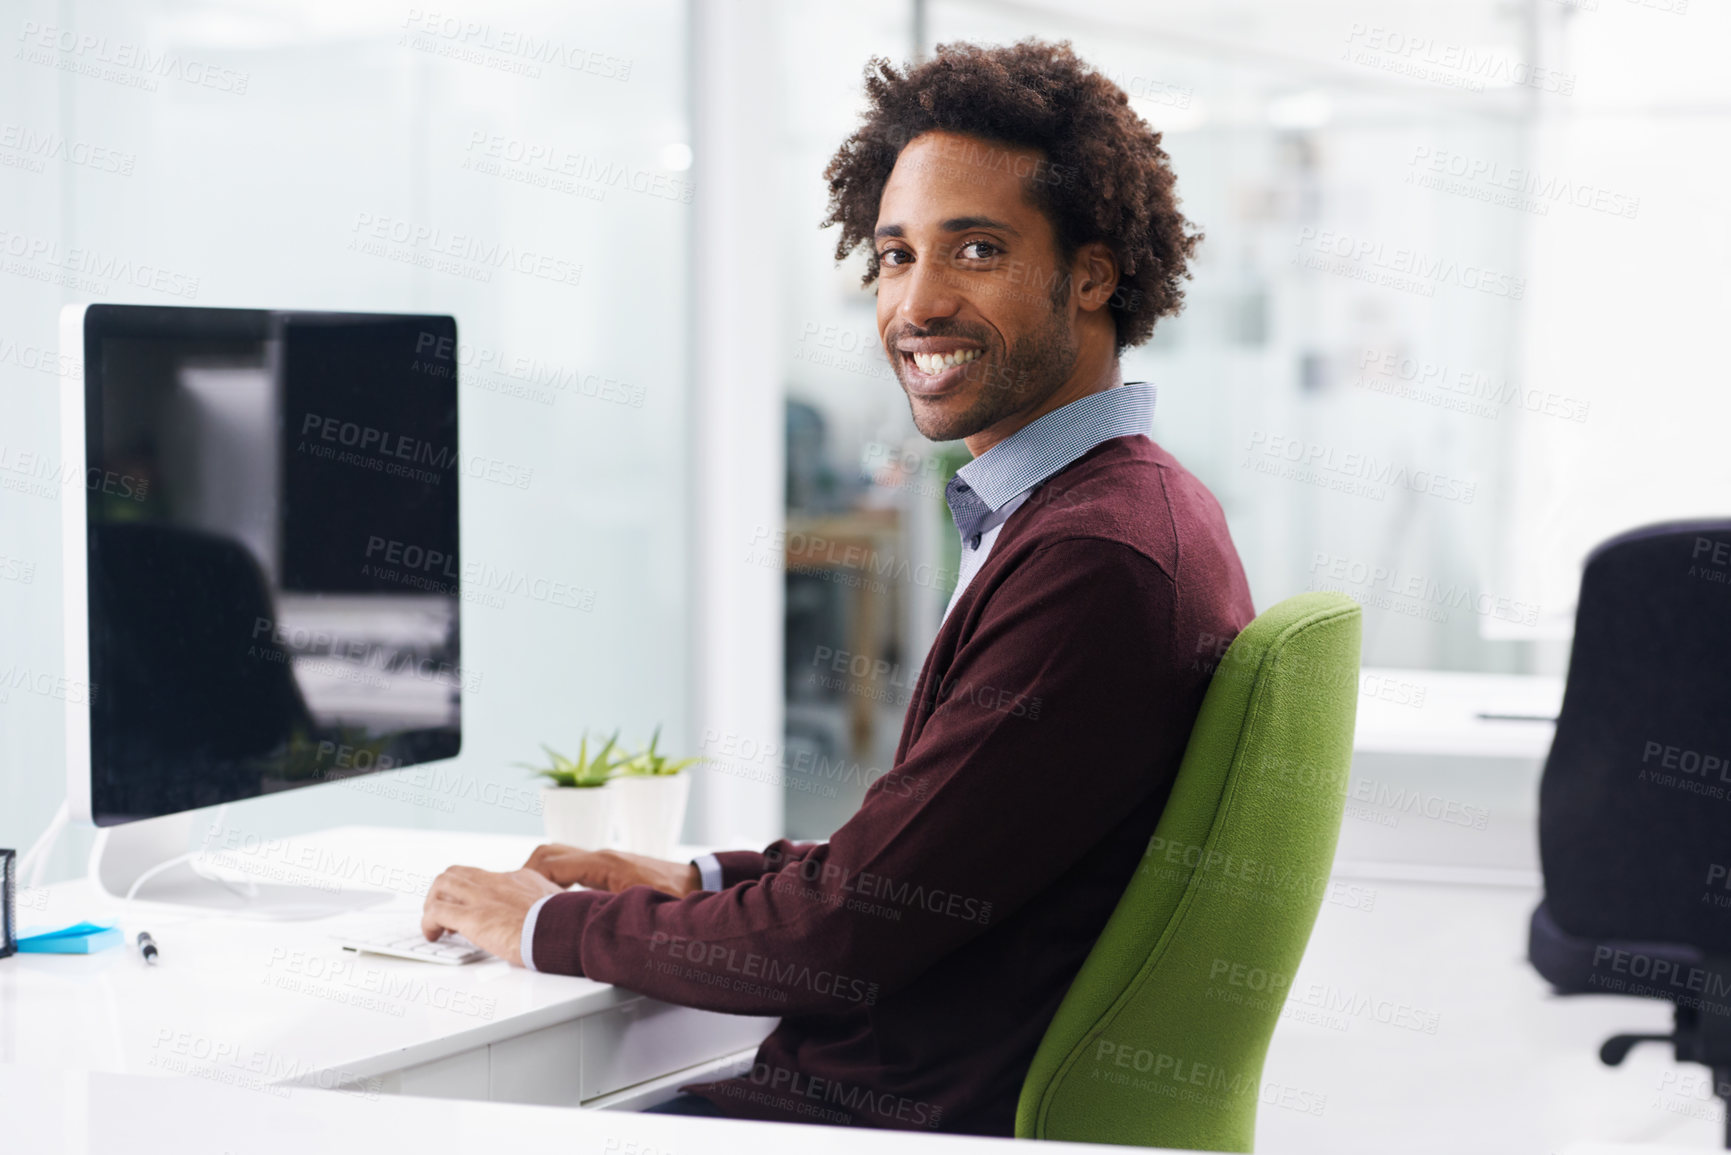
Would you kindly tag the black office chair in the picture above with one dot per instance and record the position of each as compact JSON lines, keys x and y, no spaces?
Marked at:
{"x":1635,"y":803}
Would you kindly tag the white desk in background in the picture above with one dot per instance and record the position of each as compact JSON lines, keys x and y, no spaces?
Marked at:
{"x":282,"y":1001}
{"x":1445,"y":776}
{"x":1444,"y":712}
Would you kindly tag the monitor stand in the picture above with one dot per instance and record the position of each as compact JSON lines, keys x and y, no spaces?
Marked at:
{"x":124,"y":855}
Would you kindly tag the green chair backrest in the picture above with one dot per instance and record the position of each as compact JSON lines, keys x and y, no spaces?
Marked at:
{"x":1160,"y":1039}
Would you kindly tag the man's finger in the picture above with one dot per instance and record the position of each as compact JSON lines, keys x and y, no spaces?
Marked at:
{"x":457,"y":883}
{"x":436,"y":918}
{"x":446,"y":887}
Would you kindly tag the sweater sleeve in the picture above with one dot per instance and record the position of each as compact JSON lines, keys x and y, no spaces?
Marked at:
{"x":1041,"y":736}
{"x":744,"y":865}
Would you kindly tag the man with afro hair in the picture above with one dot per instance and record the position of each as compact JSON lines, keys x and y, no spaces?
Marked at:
{"x":1022,"y":232}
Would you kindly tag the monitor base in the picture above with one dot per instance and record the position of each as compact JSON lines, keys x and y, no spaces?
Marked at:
{"x":149,"y":861}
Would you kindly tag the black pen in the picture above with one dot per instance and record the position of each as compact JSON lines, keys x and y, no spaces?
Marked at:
{"x":147,"y":947}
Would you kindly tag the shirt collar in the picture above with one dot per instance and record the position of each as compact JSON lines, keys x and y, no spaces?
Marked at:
{"x":1049,"y":443}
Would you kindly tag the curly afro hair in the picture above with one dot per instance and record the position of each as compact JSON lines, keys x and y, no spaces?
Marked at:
{"x":1106,"y":177}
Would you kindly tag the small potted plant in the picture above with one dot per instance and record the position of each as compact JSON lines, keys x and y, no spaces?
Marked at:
{"x":652,"y":794}
{"x":575,"y":809}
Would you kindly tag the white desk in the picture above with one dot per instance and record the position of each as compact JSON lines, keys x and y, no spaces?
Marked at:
{"x":273,"y":1003}
{"x":1437,"y":712}
{"x":1507,"y":1069}
{"x":75,"y":1113}
{"x":1353,"y":1066}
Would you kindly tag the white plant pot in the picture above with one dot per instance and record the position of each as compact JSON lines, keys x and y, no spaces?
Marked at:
{"x":577,"y":815}
{"x":650,"y":812}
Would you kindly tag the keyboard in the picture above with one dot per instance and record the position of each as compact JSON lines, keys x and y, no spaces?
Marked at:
{"x":401,"y":941}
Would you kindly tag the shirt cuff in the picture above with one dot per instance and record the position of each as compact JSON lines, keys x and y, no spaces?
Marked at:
{"x":527,"y":947}
{"x":708,"y":872}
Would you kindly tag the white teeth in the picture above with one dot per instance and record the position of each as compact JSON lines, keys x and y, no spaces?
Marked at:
{"x":932,"y":364}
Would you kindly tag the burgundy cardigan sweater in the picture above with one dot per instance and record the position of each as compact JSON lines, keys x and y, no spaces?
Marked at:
{"x":917,"y":957}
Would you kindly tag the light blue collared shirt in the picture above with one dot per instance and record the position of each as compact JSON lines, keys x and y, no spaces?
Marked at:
{"x":985,"y":492}
{"x":1001,"y":478}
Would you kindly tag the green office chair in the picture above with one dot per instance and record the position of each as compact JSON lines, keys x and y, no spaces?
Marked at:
{"x":1160,"y":1039}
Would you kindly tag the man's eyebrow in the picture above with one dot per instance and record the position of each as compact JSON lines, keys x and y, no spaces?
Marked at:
{"x":964,"y":224}
{"x":953,"y":225}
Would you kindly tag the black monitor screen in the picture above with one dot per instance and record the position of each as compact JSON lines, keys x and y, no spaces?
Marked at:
{"x":273,"y":551}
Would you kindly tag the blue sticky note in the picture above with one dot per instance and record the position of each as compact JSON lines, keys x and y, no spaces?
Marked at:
{"x":79,"y":938}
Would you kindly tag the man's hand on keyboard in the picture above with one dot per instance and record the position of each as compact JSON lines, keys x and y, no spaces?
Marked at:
{"x":612,"y":870}
{"x":484,"y":907}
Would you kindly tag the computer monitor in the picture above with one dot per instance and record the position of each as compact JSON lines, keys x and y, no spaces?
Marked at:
{"x":262,"y":577}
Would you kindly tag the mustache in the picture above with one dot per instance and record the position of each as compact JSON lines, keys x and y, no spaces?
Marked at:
{"x":891,"y":339}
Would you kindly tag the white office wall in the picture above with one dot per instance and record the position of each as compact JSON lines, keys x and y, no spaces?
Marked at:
{"x":252,"y":170}
{"x":1632,"y":313}
{"x":736,"y":410}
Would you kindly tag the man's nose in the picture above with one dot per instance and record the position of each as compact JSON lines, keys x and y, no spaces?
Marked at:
{"x":928,"y":291}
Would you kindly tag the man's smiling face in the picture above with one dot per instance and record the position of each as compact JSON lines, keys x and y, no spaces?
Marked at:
{"x":974,"y":310}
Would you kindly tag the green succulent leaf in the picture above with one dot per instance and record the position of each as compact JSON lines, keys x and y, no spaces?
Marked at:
{"x":609,"y":761}
{"x":583,"y":771}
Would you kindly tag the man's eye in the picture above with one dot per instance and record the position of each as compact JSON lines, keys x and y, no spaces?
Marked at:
{"x":884,"y":257}
{"x":990,"y":250}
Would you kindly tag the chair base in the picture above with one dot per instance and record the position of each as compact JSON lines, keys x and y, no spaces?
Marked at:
{"x":1694,"y":1040}
{"x":1697,"y":983}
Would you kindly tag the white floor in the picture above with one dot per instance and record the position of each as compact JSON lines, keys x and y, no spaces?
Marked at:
{"x":1416,"y":1024}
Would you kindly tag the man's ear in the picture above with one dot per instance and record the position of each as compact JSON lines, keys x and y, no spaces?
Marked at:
{"x":1096,"y":272}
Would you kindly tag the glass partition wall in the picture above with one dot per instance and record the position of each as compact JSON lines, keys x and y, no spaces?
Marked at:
{"x":527,"y":170}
